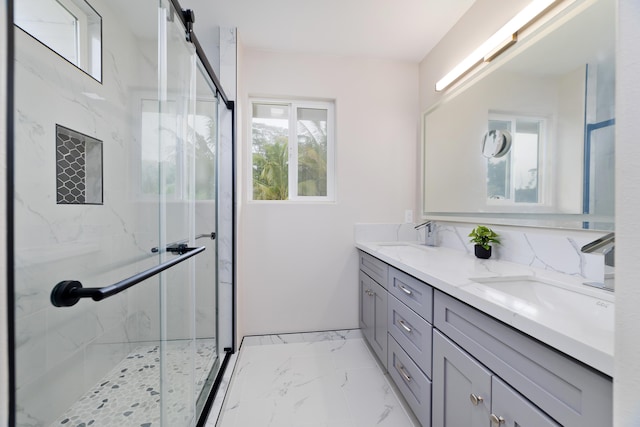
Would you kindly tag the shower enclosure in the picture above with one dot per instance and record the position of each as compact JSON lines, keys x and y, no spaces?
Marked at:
{"x":118,"y":117}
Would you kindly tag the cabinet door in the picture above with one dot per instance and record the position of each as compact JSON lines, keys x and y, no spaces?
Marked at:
{"x":461,"y":387}
{"x":510,"y":409}
{"x":379,"y":330}
{"x":373,"y":315}
{"x":366,"y":315}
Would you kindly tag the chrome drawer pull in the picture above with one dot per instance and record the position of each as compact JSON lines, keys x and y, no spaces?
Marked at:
{"x":476,"y":400}
{"x":496,"y":421}
{"x":406,"y":291}
{"x":404,"y":374}
{"x":404,"y":326}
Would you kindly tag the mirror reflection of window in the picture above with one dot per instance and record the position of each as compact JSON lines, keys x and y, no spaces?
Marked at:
{"x":71,"y":28}
{"x":514,"y":177}
{"x":499,"y":168}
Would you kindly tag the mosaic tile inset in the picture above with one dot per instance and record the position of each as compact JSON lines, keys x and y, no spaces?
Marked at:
{"x":130,"y":394}
{"x":78,"y":167}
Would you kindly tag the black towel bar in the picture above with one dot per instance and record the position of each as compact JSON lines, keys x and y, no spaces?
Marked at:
{"x":69,"y":292}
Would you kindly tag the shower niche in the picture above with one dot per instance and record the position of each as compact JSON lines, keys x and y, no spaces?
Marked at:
{"x":78,"y":168}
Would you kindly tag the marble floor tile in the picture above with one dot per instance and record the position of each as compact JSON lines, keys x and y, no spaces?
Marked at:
{"x":311,"y":380}
{"x":216,"y":407}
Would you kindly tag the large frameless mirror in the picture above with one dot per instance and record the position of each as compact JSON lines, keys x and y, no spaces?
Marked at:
{"x":71,"y":28}
{"x":553,"y":93}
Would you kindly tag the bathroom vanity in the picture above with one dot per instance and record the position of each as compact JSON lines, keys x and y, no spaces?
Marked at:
{"x":477,"y":343}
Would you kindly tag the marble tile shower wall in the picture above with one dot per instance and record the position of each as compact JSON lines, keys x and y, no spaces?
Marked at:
{"x":95,"y":244}
{"x":549,"y":249}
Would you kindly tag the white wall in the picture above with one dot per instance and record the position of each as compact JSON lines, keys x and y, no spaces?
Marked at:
{"x":297,"y":262}
{"x":627,"y":343}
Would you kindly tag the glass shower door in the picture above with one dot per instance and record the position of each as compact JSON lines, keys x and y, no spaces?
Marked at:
{"x":205,"y":142}
{"x":114,"y":178}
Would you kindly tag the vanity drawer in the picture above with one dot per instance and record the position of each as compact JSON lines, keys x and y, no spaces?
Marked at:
{"x":568,"y":391}
{"x":412,"y":332}
{"x":417,"y":295}
{"x":374,"y":268}
{"x":411,"y":381}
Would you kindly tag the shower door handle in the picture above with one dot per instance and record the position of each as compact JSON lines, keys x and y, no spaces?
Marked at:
{"x":180,"y":246}
{"x":69,"y":292}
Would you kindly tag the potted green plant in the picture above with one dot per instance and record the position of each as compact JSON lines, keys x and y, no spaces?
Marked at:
{"x":483,"y":237}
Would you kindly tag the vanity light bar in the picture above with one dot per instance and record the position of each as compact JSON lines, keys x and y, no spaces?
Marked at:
{"x":497,"y":43}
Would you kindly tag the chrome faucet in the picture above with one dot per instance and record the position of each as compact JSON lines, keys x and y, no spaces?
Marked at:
{"x":604,"y":245}
{"x":430,"y":232}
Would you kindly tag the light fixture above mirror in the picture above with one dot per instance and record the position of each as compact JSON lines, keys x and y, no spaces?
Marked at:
{"x":497,"y":43}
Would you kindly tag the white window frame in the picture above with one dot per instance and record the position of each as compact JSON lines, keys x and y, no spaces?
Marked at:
{"x":80,"y":11}
{"x":543,"y":191}
{"x":82,"y":32}
{"x":293,"y":105}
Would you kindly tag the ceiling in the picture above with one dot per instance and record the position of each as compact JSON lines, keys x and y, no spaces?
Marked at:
{"x":391,"y":29}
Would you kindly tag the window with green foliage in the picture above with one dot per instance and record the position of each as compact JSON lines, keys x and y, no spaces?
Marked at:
{"x":292,"y":150}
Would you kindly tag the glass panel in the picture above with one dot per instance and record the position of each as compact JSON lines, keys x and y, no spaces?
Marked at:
{"x":601,"y":183}
{"x":95,"y":363}
{"x":525,"y":161}
{"x":499,"y":168}
{"x":312,"y":151}
{"x":148,"y":355}
{"x":177,"y":222}
{"x":270,"y":139}
{"x":71,"y":28}
{"x":206,"y":287}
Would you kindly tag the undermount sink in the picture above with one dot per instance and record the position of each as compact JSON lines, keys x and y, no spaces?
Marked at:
{"x":405,"y":246}
{"x":540,"y":298}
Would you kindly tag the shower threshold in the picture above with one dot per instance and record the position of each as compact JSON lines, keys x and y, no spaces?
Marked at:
{"x":129,"y":395}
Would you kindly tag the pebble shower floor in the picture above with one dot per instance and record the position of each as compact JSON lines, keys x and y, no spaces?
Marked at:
{"x":129,"y":395}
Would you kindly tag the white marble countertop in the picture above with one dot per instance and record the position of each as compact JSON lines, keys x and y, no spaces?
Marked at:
{"x":581,"y":327}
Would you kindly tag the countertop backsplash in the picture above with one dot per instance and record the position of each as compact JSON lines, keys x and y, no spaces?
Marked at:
{"x":550,"y":249}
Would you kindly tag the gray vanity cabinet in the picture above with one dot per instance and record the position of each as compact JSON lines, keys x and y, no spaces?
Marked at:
{"x":461,"y":386}
{"x":466,"y":393}
{"x":373,"y":315}
{"x":568,"y":392}
{"x":459,"y":367}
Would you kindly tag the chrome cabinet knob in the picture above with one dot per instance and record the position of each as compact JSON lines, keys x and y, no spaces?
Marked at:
{"x":476,"y":400}
{"x":496,"y":421}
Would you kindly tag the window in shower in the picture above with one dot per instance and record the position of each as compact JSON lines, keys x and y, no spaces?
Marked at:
{"x":71,"y":28}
